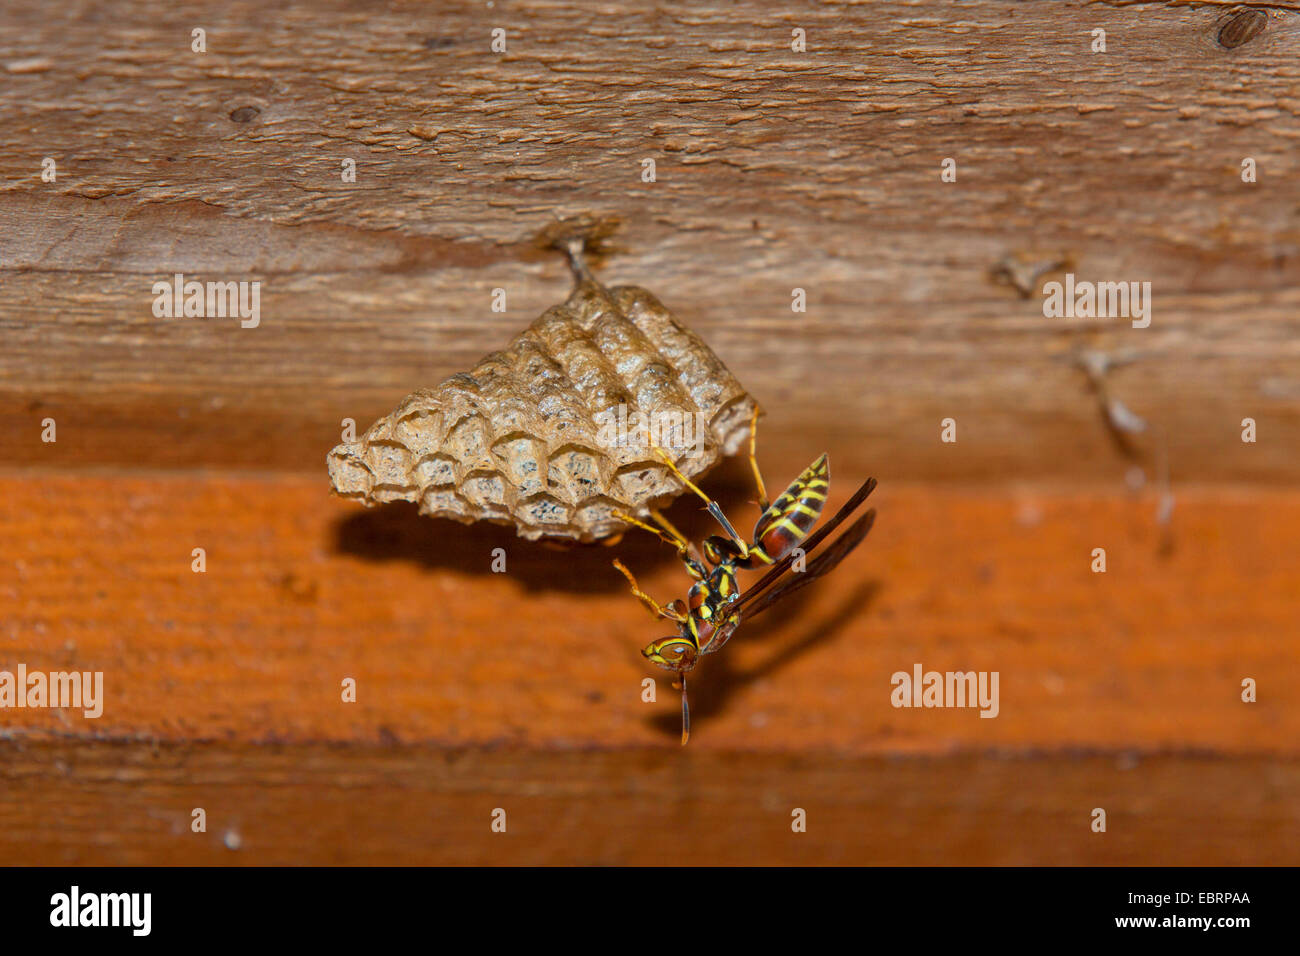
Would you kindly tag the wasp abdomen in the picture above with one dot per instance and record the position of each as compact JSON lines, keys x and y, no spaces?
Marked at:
{"x":788,"y":520}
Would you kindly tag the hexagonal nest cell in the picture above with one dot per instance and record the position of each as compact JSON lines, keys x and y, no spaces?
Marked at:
{"x":557,"y":432}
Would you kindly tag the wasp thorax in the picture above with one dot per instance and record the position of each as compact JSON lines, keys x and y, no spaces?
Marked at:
{"x":557,"y":431}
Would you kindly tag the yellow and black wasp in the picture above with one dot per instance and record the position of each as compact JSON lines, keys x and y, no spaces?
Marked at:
{"x":715,"y":607}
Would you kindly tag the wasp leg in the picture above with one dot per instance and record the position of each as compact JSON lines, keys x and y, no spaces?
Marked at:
{"x":763,"y":503}
{"x":712,"y":505}
{"x":675,"y":539}
{"x":651,"y":605}
{"x":677,"y":536}
{"x":719,"y":638}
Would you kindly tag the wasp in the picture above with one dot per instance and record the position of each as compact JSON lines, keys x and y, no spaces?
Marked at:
{"x":715,"y":606}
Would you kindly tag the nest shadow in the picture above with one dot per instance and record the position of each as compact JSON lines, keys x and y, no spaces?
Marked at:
{"x":397,"y":532}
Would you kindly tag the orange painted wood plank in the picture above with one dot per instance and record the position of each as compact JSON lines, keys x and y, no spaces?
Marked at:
{"x":302,"y":591}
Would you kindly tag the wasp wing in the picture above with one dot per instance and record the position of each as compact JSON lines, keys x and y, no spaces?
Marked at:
{"x":753,"y":593}
{"x":822,"y":565}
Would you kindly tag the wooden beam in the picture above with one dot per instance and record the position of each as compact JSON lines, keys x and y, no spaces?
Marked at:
{"x":121,"y":804}
{"x":301,"y":592}
{"x":776,"y":170}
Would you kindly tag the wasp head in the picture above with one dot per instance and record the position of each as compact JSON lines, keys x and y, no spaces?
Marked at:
{"x":675,"y":653}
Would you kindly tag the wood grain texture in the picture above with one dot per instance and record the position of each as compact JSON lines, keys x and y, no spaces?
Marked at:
{"x":776,"y":170}
{"x":131,"y":803}
{"x":302,"y":591}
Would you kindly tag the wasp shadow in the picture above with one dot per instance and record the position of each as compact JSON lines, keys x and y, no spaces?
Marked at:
{"x":710,"y":695}
{"x":397,"y":532}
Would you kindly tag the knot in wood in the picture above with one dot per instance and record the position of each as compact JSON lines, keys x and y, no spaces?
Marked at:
{"x":1241,"y":27}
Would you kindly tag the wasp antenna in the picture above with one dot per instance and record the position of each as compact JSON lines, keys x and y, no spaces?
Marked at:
{"x":686,"y":714}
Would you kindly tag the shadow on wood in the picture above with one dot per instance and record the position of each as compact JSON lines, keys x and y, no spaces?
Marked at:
{"x":398,"y":532}
{"x":719,"y":679}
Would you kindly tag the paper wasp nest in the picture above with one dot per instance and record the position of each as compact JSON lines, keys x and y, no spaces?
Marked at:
{"x":546,"y":434}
